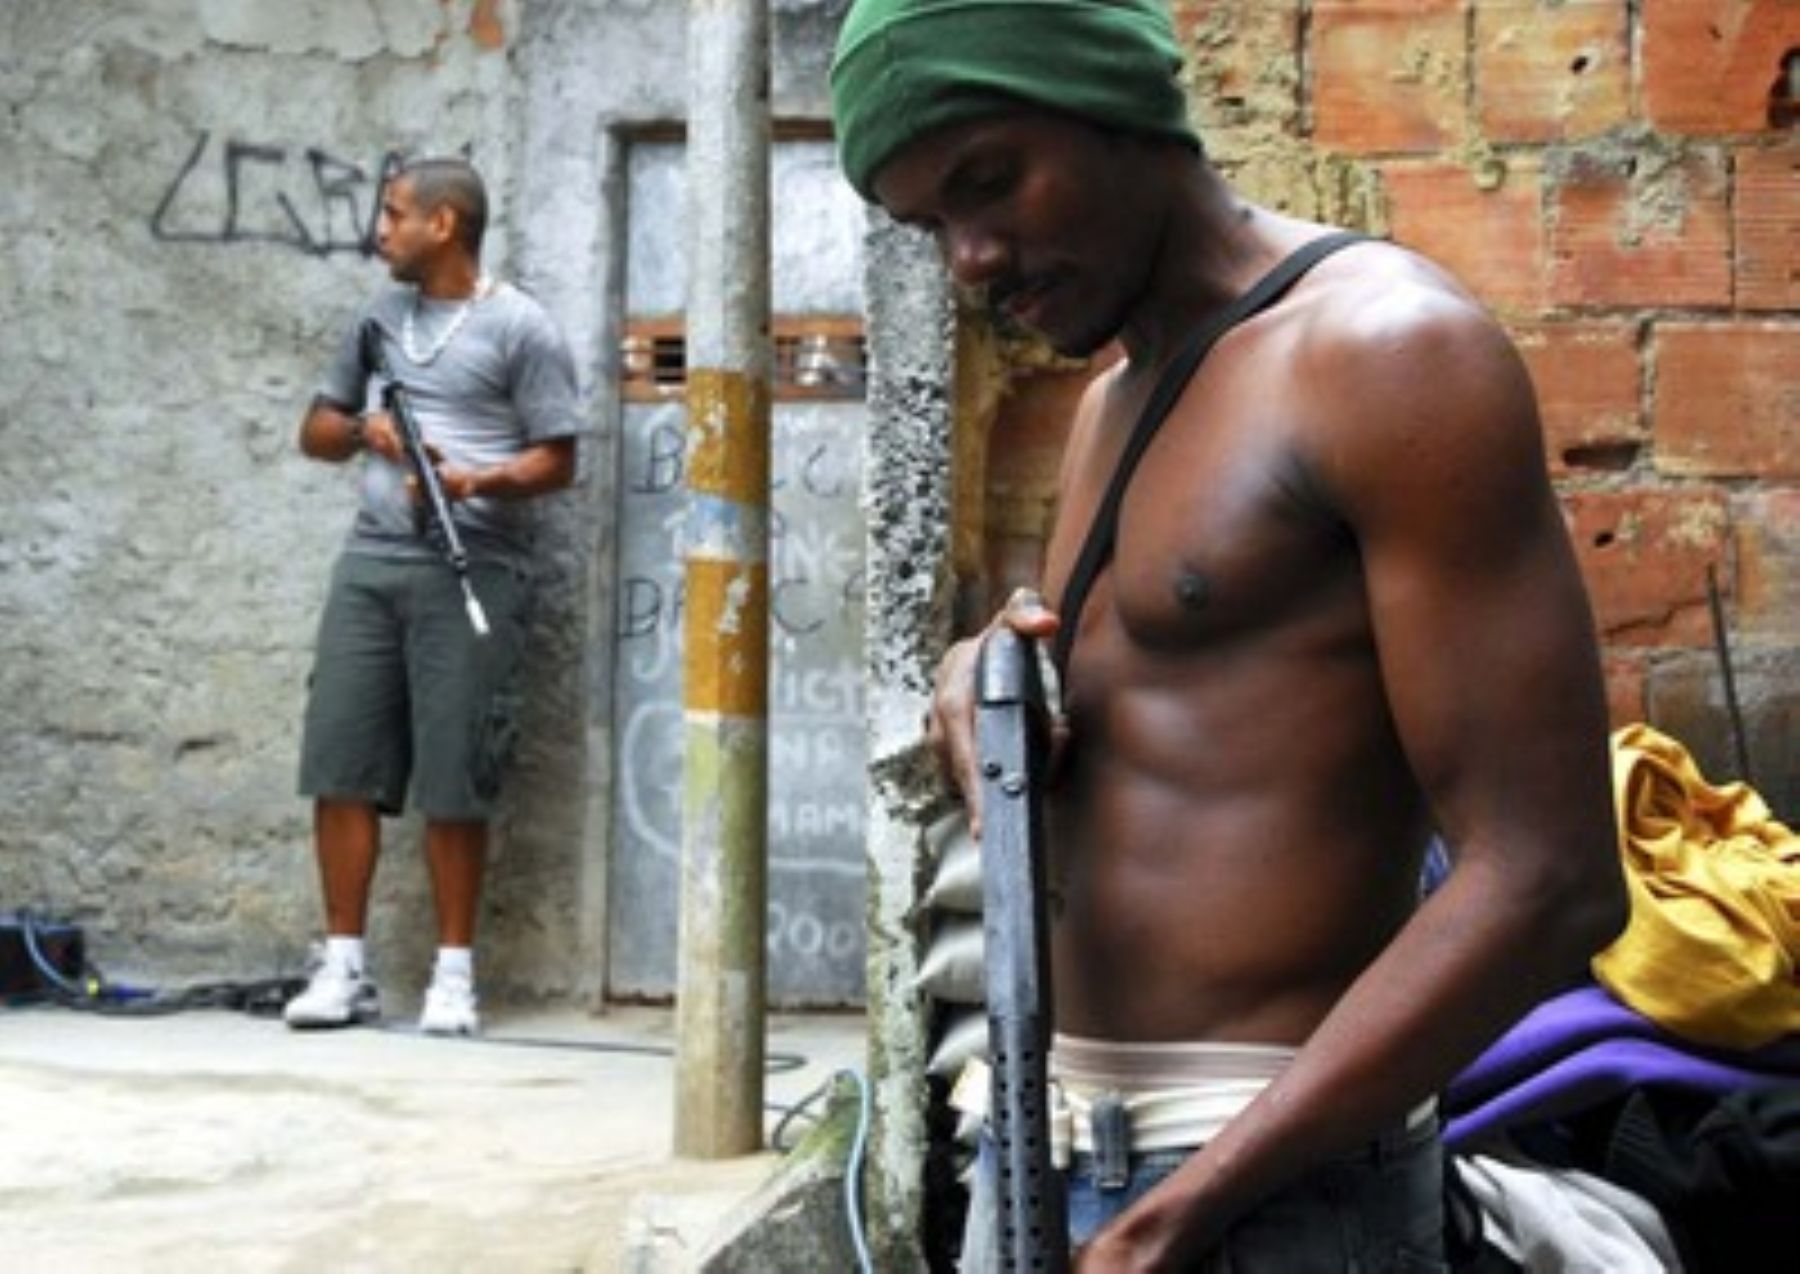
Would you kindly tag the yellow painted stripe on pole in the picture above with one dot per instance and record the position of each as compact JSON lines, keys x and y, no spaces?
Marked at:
{"x":728,"y":434}
{"x":725,"y":638}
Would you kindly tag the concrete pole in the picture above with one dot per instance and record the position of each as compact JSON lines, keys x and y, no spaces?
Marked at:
{"x":910,"y":588}
{"x":725,"y":659}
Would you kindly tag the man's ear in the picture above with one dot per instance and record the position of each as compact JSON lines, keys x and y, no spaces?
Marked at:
{"x":443,"y":223}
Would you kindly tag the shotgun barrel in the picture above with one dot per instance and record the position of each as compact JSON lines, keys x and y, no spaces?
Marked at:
{"x":1012,"y":733}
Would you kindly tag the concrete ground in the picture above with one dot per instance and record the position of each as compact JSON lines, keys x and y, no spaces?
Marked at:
{"x":220,"y":1142}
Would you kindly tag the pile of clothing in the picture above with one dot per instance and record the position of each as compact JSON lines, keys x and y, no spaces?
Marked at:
{"x":1650,"y":1119}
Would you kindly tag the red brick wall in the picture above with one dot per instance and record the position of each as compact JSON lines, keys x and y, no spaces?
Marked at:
{"x":1620,"y":183}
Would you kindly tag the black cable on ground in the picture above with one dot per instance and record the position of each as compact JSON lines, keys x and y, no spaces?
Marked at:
{"x":266,"y":997}
{"x":773,"y":1063}
{"x":797,"y":1111}
{"x":92,"y":993}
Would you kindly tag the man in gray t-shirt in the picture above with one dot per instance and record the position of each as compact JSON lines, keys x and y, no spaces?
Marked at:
{"x":405,"y":694}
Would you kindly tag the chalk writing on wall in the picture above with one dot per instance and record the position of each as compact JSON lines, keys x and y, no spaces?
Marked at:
{"x":816,"y":743}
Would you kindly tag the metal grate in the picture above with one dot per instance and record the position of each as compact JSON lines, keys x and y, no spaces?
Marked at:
{"x":815,"y":358}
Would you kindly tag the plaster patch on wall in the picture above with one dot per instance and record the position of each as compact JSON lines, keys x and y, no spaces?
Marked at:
{"x":1698,"y":524}
{"x":1291,"y":177}
{"x":1219,"y":95}
{"x":485,"y":26}
{"x":1659,"y":176}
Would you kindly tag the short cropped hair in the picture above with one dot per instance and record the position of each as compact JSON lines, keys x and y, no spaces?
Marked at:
{"x":441,"y":181}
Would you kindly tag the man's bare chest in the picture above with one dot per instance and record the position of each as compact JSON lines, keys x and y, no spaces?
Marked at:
{"x":1223,"y":532}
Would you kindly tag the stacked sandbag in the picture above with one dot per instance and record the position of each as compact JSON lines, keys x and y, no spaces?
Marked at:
{"x":951,"y":971}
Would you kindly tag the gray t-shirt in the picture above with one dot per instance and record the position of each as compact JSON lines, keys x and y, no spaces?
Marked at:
{"x":504,"y":381}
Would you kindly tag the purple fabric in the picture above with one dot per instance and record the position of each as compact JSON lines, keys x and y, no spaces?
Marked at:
{"x":1577,"y":1019}
{"x":1592,"y":1075}
{"x":1557,"y":1027}
{"x":1584,"y":1047}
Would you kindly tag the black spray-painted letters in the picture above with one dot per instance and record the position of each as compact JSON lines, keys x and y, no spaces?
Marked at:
{"x":247,"y":192}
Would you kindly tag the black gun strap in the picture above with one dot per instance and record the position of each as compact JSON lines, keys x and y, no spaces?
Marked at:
{"x":1097,"y":549}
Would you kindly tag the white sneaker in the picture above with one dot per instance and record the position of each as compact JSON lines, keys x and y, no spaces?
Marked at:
{"x":336,"y":996}
{"x":450,"y":1006}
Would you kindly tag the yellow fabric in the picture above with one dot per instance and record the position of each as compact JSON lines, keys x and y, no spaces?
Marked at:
{"x":1713,"y":943}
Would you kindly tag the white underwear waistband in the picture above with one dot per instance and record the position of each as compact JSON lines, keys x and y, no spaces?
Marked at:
{"x":1129,"y":1067}
{"x":1177,"y":1096}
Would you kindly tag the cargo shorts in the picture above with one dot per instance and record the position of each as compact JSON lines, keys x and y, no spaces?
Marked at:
{"x":405,"y":693}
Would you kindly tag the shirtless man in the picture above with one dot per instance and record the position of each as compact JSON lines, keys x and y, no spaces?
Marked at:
{"x":1342,"y":614}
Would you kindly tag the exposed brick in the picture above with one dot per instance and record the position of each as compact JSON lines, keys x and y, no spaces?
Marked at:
{"x":1301,"y":180}
{"x":1727,"y":399}
{"x":1551,"y":69}
{"x":1019,"y":451}
{"x":1389,"y":75}
{"x":1766,"y":211}
{"x":1644,"y":555}
{"x":1768,"y":563}
{"x":1687,"y":702}
{"x":1626,"y":672}
{"x":1588,"y":392}
{"x":1242,"y":66}
{"x":1493,"y":240}
{"x":1025,"y":445}
{"x":1635,"y":225}
{"x":1713,"y":66}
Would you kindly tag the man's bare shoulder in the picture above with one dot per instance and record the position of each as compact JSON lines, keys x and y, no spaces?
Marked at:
{"x":1380,"y":298}
{"x":1389,"y":341}
{"x":1408,"y":385}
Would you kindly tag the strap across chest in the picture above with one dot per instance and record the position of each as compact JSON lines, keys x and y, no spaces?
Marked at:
{"x":1097,"y":548}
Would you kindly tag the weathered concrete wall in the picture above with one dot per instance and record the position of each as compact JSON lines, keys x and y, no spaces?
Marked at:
{"x":188,"y":187}
{"x":183,"y":228}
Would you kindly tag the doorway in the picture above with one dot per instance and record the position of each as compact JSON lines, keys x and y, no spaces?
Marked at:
{"x":817,"y":748}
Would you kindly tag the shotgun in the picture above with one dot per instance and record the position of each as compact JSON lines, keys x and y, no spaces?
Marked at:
{"x":442,"y":527}
{"x":1012,"y":735}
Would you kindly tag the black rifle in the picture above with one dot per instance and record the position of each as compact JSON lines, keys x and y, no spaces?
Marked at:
{"x":442,"y":527}
{"x":1012,"y":732}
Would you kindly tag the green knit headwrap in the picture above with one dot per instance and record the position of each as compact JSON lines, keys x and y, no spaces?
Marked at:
{"x":904,"y":67}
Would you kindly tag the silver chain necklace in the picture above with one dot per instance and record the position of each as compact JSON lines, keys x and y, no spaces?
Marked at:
{"x":426,"y":358}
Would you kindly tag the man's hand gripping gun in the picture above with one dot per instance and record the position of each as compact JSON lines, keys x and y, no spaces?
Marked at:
{"x":1012,"y":735}
{"x":442,"y":528}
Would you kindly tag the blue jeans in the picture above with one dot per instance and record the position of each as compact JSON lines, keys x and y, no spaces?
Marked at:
{"x":1376,"y":1210}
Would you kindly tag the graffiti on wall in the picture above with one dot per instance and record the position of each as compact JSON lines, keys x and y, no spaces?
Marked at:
{"x":234,"y":191}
